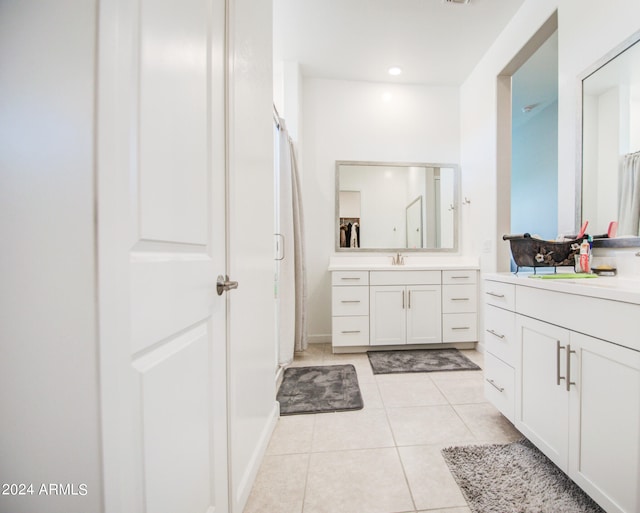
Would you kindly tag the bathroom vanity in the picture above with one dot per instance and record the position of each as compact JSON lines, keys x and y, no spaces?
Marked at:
{"x":562,"y":362}
{"x":428,"y":301}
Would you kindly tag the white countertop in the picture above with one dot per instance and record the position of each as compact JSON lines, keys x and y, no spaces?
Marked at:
{"x":411,"y":263}
{"x":615,"y":288}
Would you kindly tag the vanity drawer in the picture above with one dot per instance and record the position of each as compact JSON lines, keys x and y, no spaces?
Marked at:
{"x":459,"y":277}
{"x":350,"y":301}
{"x":403,"y":277}
{"x":350,"y":331}
{"x":500,"y":294}
{"x":460,"y":327}
{"x":350,"y":278}
{"x":459,"y":299}
{"x":500,"y":333}
{"x":499,"y":385}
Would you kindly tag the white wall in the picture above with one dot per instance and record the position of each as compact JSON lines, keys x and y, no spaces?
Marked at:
{"x":353,"y":121}
{"x":49,"y":398}
{"x":588,"y":29}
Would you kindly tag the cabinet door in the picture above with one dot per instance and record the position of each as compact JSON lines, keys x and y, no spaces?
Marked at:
{"x":387,"y":314}
{"x":604,"y":422}
{"x":424,"y":314}
{"x":542,"y":401}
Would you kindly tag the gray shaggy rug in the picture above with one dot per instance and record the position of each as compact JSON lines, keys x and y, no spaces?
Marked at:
{"x":319,"y":389}
{"x":419,"y":360}
{"x":514,"y":478}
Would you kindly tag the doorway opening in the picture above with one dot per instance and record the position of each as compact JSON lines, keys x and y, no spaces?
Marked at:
{"x":527,"y":135}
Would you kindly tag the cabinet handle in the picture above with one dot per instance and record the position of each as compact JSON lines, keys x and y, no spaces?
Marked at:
{"x":351,"y":331}
{"x":409,"y":302}
{"x":459,"y":277}
{"x":347,"y":279}
{"x":459,"y":299}
{"x":569,"y":382}
{"x":462,"y":328}
{"x":350,"y":301}
{"x":403,"y":299}
{"x":493,"y":384}
{"x":495,"y":334}
{"x":494,"y":294}
{"x":558,"y":348}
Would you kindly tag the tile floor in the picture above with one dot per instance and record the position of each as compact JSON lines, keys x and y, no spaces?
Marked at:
{"x":384,"y":458}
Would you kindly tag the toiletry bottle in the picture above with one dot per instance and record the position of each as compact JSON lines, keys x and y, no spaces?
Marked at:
{"x":585,"y":256}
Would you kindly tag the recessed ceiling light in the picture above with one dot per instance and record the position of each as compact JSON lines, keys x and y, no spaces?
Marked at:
{"x":394,"y":70}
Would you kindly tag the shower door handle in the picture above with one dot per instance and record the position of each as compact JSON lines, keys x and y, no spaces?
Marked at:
{"x":223,"y":284}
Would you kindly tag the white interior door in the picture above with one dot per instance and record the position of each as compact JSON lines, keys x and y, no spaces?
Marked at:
{"x":161,"y":183}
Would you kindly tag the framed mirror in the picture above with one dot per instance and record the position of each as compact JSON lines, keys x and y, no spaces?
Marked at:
{"x":383,"y":206}
{"x":610,"y":156}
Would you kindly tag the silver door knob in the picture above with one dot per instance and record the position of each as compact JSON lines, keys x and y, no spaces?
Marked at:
{"x":223,"y":284}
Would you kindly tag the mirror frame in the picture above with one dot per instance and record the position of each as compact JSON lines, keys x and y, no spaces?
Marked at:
{"x":600,"y":63}
{"x":456,"y":206}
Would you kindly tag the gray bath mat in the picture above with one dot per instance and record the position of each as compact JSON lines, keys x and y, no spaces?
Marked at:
{"x":419,"y":360}
{"x":319,"y":389}
{"x":516,"y":478}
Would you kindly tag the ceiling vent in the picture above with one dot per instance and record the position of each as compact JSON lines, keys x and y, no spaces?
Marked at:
{"x":456,"y":1}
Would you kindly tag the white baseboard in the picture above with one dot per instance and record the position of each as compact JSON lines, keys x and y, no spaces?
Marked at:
{"x":241,"y":495}
{"x":319,"y":339}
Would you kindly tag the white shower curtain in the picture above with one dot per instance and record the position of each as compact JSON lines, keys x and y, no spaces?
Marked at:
{"x":629,"y":204}
{"x":292,"y":286}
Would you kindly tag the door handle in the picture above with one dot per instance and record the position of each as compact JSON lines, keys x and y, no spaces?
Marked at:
{"x":568,"y":380}
{"x":558,"y":377}
{"x":223,"y":284}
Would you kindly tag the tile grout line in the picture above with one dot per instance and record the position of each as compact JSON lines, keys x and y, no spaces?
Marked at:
{"x":309,"y":452}
{"x":395,"y":444}
{"x":306,"y":477}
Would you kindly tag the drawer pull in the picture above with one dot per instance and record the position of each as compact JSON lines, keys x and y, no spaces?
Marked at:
{"x":493,"y":384}
{"x":459,"y":277}
{"x":349,"y":278}
{"x":461,"y":328}
{"x":350,"y":301}
{"x":460,"y":299}
{"x":495,"y":334}
{"x":350,"y":331}
{"x":495,"y":294}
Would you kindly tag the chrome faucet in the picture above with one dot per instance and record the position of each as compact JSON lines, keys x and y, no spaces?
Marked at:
{"x":397,"y":260}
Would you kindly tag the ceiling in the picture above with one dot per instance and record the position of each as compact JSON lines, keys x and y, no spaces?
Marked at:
{"x":433,"y":41}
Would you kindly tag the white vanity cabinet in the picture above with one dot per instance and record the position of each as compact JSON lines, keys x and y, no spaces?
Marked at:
{"x":500,"y":345}
{"x":390,"y":306}
{"x":577,"y":396}
{"x":350,"y":308}
{"x":405,"y":307}
{"x":459,"y":306}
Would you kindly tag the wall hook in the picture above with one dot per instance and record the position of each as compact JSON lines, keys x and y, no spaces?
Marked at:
{"x":451,"y":207}
{"x":466,"y":201}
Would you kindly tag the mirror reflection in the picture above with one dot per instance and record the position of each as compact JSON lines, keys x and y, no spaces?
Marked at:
{"x":391,"y":206}
{"x":611,"y":144}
